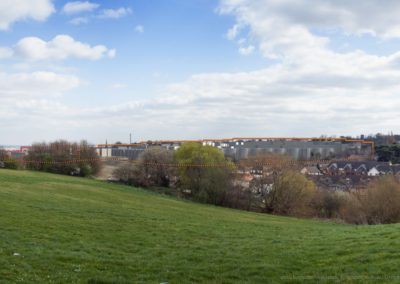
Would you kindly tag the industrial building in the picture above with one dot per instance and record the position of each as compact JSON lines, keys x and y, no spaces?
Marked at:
{"x":297,"y":149}
{"x":242,"y":148}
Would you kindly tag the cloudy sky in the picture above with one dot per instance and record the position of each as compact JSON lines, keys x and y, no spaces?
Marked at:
{"x":173,"y":69}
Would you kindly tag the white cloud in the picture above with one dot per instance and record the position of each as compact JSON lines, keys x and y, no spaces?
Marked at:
{"x":79,"y":21}
{"x":60,"y":47}
{"x":233,"y":32}
{"x":12,"y":11}
{"x":77,"y":7}
{"x":114,"y":13}
{"x":373,"y":16}
{"x":246,"y":50}
{"x":29,"y":105}
{"x":139,"y":29}
{"x":20,"y":86}
{"x":275,"y":35}
{"x":6,"y":52}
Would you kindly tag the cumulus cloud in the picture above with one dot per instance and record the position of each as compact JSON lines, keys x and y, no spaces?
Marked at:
{"x":114,"y":13}
{"x":12,"y":11}
{"x":77,"y":7}
{"x":372,"y":16}
{"x":60,"y":47}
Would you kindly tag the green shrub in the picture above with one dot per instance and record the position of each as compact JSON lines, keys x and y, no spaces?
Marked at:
{"x":12,"y":164}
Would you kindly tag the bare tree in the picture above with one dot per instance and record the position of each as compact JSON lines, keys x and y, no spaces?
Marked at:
{"x":153,"y":168}
{"x":381,"y":201}
{"x":291,"y":194}
{"x":63,"y":157}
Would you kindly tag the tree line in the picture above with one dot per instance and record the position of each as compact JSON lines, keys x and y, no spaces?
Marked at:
{"x":60,"y":157}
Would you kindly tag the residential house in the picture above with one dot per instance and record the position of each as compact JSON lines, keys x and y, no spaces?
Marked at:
{"x":358,"y":168}
{"x":311,"y":171}
{"x":373,"y":172}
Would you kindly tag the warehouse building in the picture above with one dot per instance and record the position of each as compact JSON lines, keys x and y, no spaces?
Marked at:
{"x":238,"y":149}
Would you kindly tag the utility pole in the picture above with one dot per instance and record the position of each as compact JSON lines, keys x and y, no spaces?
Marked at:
{"x":130,"y":138}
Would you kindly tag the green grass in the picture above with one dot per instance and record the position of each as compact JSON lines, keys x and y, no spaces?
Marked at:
{"x":74,"y":230}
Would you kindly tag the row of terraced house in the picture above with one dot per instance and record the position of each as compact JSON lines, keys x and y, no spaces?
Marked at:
{"x":345,"y":175}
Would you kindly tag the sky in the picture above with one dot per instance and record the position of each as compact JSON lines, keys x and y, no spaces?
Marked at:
{"x":174,"y":69}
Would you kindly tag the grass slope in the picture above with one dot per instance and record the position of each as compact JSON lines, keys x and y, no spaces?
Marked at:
{"x":73,"y":230}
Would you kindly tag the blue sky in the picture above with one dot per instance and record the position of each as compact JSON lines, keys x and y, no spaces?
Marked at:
{"x":176,"y":69}
{"x":180,"y":38}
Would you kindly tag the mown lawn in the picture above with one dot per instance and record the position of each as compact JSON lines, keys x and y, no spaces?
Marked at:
{"x":56,"y":229}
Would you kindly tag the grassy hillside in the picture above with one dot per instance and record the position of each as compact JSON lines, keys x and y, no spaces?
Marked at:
{"x":72,"y":230}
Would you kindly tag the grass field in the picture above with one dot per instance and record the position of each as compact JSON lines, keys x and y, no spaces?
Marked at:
{"x":56,"y":229}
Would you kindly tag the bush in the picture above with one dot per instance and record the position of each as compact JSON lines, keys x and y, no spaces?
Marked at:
{"x":351,"y":210}
{"x":377,"y":204}
{"x":241,"y":198}
{"x":12,"y":164}
{"x":152,"y":169}
{"x":90,"y":163}
{"x":155,"y":164}
{"x":130,"y":174}
{"x":7,"y":162}
{"x":327,"y":204}
{"x":381,"y":201}
{"x":291,"y":195}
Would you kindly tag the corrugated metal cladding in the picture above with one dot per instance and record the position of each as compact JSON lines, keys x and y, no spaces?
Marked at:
{"x":295,"y":149}
{"x":243,"y":149}
{"x":127,"y":153}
